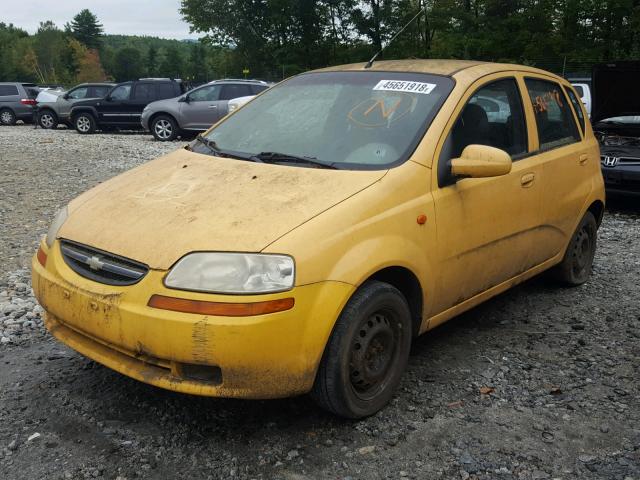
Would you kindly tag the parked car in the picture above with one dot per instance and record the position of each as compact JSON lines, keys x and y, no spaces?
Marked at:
{"x":236,"y":103}
{"x":616,"y":119}
{"x":123,"y":105}
{"x":583,"y":87}
{"x":17,"y":100}
{"x":54,"y":107}
{"x":303,"y":241}
{"x":198,"y":109}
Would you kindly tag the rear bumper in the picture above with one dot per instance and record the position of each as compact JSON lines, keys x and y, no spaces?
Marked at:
{"x":622,"y":179}
{"x":263,"y":356}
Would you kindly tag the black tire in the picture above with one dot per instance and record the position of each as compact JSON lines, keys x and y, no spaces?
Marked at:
{"x":366,"y":354}
{"x":575,"y":267}
{"x":84,"y":123}
{"x":7,"y":117}
{"x":47,"y":119}
{"x":164,"y":128}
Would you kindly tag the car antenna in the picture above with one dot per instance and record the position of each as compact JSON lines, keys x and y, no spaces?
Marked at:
{"x":370,"y":62}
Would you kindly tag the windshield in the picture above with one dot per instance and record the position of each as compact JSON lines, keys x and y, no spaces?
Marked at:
{"x":359,"y":120}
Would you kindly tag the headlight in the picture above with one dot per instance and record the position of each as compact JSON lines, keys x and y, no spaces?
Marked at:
{"x":232,"y":273}
{"x":58,"y":220}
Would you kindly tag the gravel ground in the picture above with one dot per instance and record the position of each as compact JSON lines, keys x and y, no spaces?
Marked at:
{"x":538,"y":383}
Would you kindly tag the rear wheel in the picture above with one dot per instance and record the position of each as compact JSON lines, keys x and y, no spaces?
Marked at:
{"x":84,"y":123}
{"x":7,"y":117}
{"x":47,"y":119}
{"x":576,"y":265}
{"x":366,"y":353}
{"x":164,"y":128}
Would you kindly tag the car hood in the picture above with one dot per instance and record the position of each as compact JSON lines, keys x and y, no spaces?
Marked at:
{"x":615,"y":90}
{"x":185,"y":202}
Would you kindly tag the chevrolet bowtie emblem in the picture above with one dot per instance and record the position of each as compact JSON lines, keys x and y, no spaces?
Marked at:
{"x":95,"y":263}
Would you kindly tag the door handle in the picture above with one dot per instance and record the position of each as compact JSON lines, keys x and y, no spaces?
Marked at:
{"x":527,"y":179}
{"x":212,"y":106}
{"x":583,"y":159}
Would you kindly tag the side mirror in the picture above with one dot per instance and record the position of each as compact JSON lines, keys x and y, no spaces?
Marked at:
{"x":66,"y":96}
{"x":479,"y":161}
{"x":184,"y":99}
{"x":108,"y":98}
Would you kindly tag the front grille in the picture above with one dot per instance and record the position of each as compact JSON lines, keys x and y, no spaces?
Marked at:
{"x":620,"y":160}
{"x":101,"y":266}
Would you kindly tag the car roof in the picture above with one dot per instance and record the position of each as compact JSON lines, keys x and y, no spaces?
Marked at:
{"x":437,"y":67}
{"x":238,"y":80}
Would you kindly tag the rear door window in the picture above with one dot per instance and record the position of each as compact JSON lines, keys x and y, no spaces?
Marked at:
{"x":554,"y":119}
{"x":166,"y":90}
{"x":576,"y":107}
{"x":232,"y":90}
{"x":7,"y":90}
{"x":144,"y":92}
{"x":256,"y":89}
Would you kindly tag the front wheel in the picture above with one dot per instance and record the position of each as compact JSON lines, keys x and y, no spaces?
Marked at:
{"x":575,"y":267}
{"x":84,"y":123}
{"x":366,"y":354}
{"x":47,"y":119}
{"x":164,"y":128}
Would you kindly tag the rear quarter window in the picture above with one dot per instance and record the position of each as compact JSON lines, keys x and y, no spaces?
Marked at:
{"x":258,"y":88}
{"x":8,"y":90}
{"x":554,"y":117}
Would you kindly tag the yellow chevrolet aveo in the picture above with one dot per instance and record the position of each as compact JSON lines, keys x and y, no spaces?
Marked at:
{"x":303,"y":241}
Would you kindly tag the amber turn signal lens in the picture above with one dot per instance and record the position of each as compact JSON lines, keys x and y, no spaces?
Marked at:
{"x":222,"y":309}
{"x":42,"y":257}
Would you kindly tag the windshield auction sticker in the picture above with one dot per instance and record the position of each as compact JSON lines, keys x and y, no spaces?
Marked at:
{"x":405,"y":86}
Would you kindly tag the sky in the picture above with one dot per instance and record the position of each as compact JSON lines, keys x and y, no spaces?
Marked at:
{"x":158,"y":18}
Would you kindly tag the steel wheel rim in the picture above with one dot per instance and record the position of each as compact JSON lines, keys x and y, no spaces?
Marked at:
{"x":374,"y":350}
{"x":163,"y":129}
{"x":46,"y":120}
{"x":6,"y":117}
{"x":582,"y":251}
{"x":83,"y":124}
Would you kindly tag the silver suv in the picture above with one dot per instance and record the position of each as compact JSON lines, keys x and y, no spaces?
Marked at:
{"x":55,"y":107}
{"x":196,"y":110}
{"x":17,"y":101}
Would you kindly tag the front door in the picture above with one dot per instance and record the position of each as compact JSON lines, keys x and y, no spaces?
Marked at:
{"x":202,"y":108}
{"x":486,"y":227}
{"x":114,"y":109}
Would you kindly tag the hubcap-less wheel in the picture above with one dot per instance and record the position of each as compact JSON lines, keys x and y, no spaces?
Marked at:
{"x":372,"y":354}
{"x":6,"y":118}
{"x":163,"y":129}
{"x":46,"y":120}
{"x":83,"y":124}
{"x":582,"y":253}
{"x":575,"y":267}
{"x":366,"y":353}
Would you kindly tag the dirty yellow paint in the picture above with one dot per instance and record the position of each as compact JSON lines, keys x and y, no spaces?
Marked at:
{"x":481,"y":236}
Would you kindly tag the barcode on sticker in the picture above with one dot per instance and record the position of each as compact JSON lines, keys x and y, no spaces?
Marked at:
{"x":405,"y":86}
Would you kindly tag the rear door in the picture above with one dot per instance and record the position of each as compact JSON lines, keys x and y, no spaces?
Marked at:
{"x":143,"y":94}
{"x":568,"y":161}
{"x":201,"y":110}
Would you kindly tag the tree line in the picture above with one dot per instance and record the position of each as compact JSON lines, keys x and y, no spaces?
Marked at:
{"x":273,"y":39}
{"x":297,"y":35}
{"x":81,"y":52}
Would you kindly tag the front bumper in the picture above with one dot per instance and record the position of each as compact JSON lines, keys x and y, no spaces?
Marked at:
{"x":622,"y":179}
{"x":144,"y":119}
{"x":263,"y":356}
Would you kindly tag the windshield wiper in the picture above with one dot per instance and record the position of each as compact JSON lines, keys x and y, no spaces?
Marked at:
{"x":213,"y":148}
{"x":277,"y":157}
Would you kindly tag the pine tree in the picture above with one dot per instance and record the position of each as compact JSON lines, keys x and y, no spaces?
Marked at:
{"x":85,"y":28}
